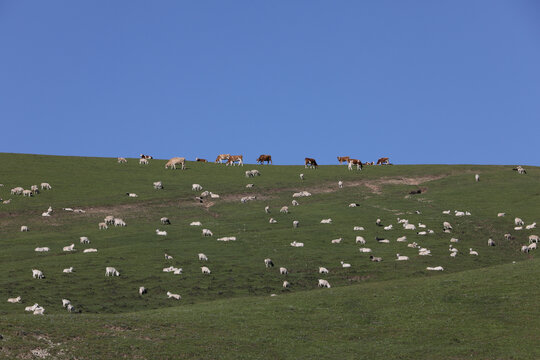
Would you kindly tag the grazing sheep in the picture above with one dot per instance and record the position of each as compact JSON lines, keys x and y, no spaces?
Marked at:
{"x":340,"y":184}
{"x":34,"y":189}
{"x":286,"y":284}
{"x":477,"y":177}
{"x":207,"y":232}
{"x":447,"y":226}
{"x":323,"y":270}
{"x":14,"y":300}
{"x":323,"y":283}
{"x":91,"y":250}
{"x":375,"y":259}
{"x":65,"y":302}
{"x":196,"y":187}
{"x":491,"y":242}
{"x":301,"y":176}
{"x":176,"y":161}
{"x":364,"y":250}
{"x":326,"y":221}
{"x":473,"y":252}
{"x":358,"y":228}
{"x":42,"y":249}
{"x":501,"y":214}
{"x":173,"y":296}
{"x":284,"y":210}
{"x":525,"y":249}
{"x":534,"y":238}
{"x":295,"y":223}
{"x":272,"y":221}
{"x":297,"y":244}
{"x":109,"y":220}
{"x":119,"y":222}
{"x":27,"y":193}
{"x":283,"y":271}
{"x":401,"y":239}
{"x":389,"y":227}
{"x":68,"y":270}
{"x":203,"y":257}
{"x":37,"y":274}
{"x":336,"y":241}
{"x":532,"y":246}
{"x":122,"y":160}
{"x":345,"y":265}
{"x":351,"y":205}
{"x":70,"y":308}
{"x":249,"y":186}
{"x":401,"y":257}
{"x":294,"y":203}
{"x":360,"y":240}
{"x":378,"y":222}
{"x":195,"y":223}
{"x":161,"y":233}
{"x":132,"y":195}
{"x":102,"y":226}
{"x":6,"y":201}
{"x":142,"y":290}
{"x":205,"y":270}
{"x":158,"y":185}
{"x":518,"y":222}
{"x":110,"y":271}
{"x":24,"y":228}
{"x":436,"y":268}
{"x":84,"y":240}
{"x":267,"y":209}
{"x":69,"y":248}
{"x":143,"y":162}
{"x":531,"y":226}
{"x":268,"y":263}
{"x":165,"y":221}
{"x":46,"y":186}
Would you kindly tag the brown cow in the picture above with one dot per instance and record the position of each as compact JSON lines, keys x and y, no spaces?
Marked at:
{"x":343,"y":159}
{"x":263,"y":158}
{"x":383,"y":161}
{"x":356,"y":162}
{"x":235,"y":158}
{"x":222,"y":157}
{"x":201,"y":160}
{"x":311,"y":163}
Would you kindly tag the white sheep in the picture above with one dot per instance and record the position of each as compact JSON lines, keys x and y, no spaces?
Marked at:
{"x":459,"y":213}
{"x":37,"y":274}
{"x":245,"y":199}
{"x":283,"y":271}
{"x":413,"y":245}
{"x":268,"y":262}
{"x":267,"y":209}
{"x":102,"y":226}
{"x":173,"y":296}
{"x":167,"y":256}
{"x":27,"y":193}
{"x":518,"y":222}
{"x":525,"y":249}
{"x":447,"y":212}
{"x":110,"y":271}
{"x":143,"y":162}
{"x":205,"y":270}
{"x":121,"y":160}
{"x":272,"y":221}
{"x":375,"y":258}
{"x":501,"y":214}
{"x":409,"y":226}
{"x":383,"y":241}
{"x":31,"y":308}
{"x":534,"y":238}
{"x":132,"y":195}
{"x":477,"y":177}
{"x":249,"y":186}
{"x":68,"y":270}
{"x":360,"y":240}
{"x":69,"y":248}
{"x":227,"y":238}
{"x":142,"y":290}
{"x":84,"y":240}
{"x":39,"y":310}
{"x":297,"y":244}
{"x":109,"y":220}
{"x":294,"y":203}
{"x":286,"y":284}
{"x":42,"y":249}
{"x":301,"y":176}
{"x":46,"y":186}
{"x":336,"y":241}
{"x":473,"y":252}
{"x":165,"y":221}
{"x":207,"y":232}
{"x":195,"y":223}
{"x":422,"y":233}
{"x":389,"y":227}
{"x":531,"y":226}
{"x":518,"y":228}
{"x":436,"y":268}
{"x":203,"y":257}
{"x":447,"y":225}
{"x":24,"y":228}
{"x":323,"y":270}
{"x":158,"y":185}
{"x":491,"y":242}
{"x":295,"y":223}
{"x":196,"y":187}
{"x":345,"y":265}
{"x":161,"y":233}
{"x":340,"y":184}
{"x":364,"y":250}
{"x":119,"y":222}
{"x":70,"y":308}
{"x":532,"y":246}
{"x":401,"y":257}
{"x":454,"y":240}
{"x":402,"y":239}
{"x":323,"y":283}
{"x":284,"y":210}
{"x":351,"y":205}
{"x":301,"y":194}
{"x":358,"y":228}
{"x":326,"y":221}
{"x":91,"y":250}
{"x":14,"y":300}
{"x":421,"y":226}
{"x":65,"y":302}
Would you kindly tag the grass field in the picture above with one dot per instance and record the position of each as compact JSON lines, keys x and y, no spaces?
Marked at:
{"x":481,"y":307}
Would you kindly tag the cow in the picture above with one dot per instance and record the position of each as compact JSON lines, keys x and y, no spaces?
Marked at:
{"x":356,"y":162}
{"x":235,"y":158}
{"x":176,"y":161}
{"x":200,"y":160}
{"x":222,"y":157}
{"x":311,"y":163}
{"x":383,"y":161}
{"x":261,"y":159}
{"x":343,"y":159}
{"x":146,"y":156}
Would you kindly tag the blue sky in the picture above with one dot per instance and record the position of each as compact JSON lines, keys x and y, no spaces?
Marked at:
{"x":418,"y":81}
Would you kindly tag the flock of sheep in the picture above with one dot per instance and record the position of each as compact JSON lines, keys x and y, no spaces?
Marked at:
{"x":419,"y":229}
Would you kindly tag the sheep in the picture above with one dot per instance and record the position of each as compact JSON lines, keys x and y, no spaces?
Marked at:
{"x":27,"y":193}
{"x":477,"y":177}
{"x":518,"y":228}
{"x":216,"y":196}
{"x":518,"y":222}
{"x":165,"y":221}
{"x":294,"y":203}
{"x":249,"y":186}
{"x":91,"y":250}
{"x":14,"y":300}
{"x":286,"y":284}
{"x":520,"y":170}
{"x":473,"y":252}
{"x":378,"y":222}
{"x":42,"y":249}
{"x":345,"y":265}
{"x":196,"y":187}
{"x":454,"y":240}
{"x":351,"y":205}
{"x":24,"y":228}
{"x":17,"y":190}
{"x":31,"y":308}
{"x":436,"y":268}
{"x":452,"y":249}
{"x":109,"y":220}
{"x":132,"y":195}
{"x":525,"y":249}
{"x":422,"y":233}
{"x":424,"y":252}
{"x":364,"y":250}
{"x":79,"y":211}
{"x":37,"y":274}
{"x":297,"y":244}
{"x":402,"y":239}
{"x":323,"y":283}
{"x":409,"y":226}
{"x":39,"y":310}
{"x":245,"y":199}
{"x":508,"y":236}
{"x":6,"y":201}
{"x":227,"y":238}
{"x":110,"y":271}
{"x":203,"y":257}
{"x":401,"y":257}
{"x":46,"y":186}
{"x":336,"y":241}
{"x":122,"y":160}
{"x":161,"y":233}
{"x":143,"y":162}
{"x":45,"y":214}
{"x":491,"y":242}
{"x":413,"y":245}
{"x":295,"y":223}
{"x":142,"y":290}
{"x":358,"y":228}
{"x":119,"y":222}
{"x":501,"y":214}
{"x":421,"y":226}
{"x":69,"y":248}
{"x":459,"y":213}
{"x":531,"y":226}
{"x":340,"y":184}
{"x":252,"y":173}
{"x":323,"y":270}
{"x":284,"y":210}
{"x":326,"y":221}
{"x":68,"y":270}
{"x":453,"y":254}
{"x":84,"y":240}
{"x":168,"y":257}
{"x":283,"y":271}
{"x":534,"y":238}
{"x":389,"y":227}
{"x":205,"y":270}
{"x":532,"y":246}
{"x":268,"y":263}
{"x":158,"y":185}
{"x":447,"y":226}
{"x":272,"y":221}
{"x":206,"y":232}
{"x":375,"y":259}
{"x":301,"y":194}
{"x":360,"y":240}
{"x":173,"y":296}
{"x":267,"y":209}
{"x":195,"y":223}
{"x":102,"y":226}
{"x":301,"y":176}
{"x":446,"y":212}
{"x":169,"y":269}
{"x":65,"y":302}
{"x":70,"y":308}
{"x":34,"y":189}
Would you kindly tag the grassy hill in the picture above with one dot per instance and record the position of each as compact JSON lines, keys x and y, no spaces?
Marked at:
{"x":479,"y":307}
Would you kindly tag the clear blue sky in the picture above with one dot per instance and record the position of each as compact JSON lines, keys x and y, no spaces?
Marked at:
{"x":419,"y":81}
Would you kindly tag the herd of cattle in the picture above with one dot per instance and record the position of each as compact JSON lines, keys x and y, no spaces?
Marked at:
{"x":229,"y":159}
